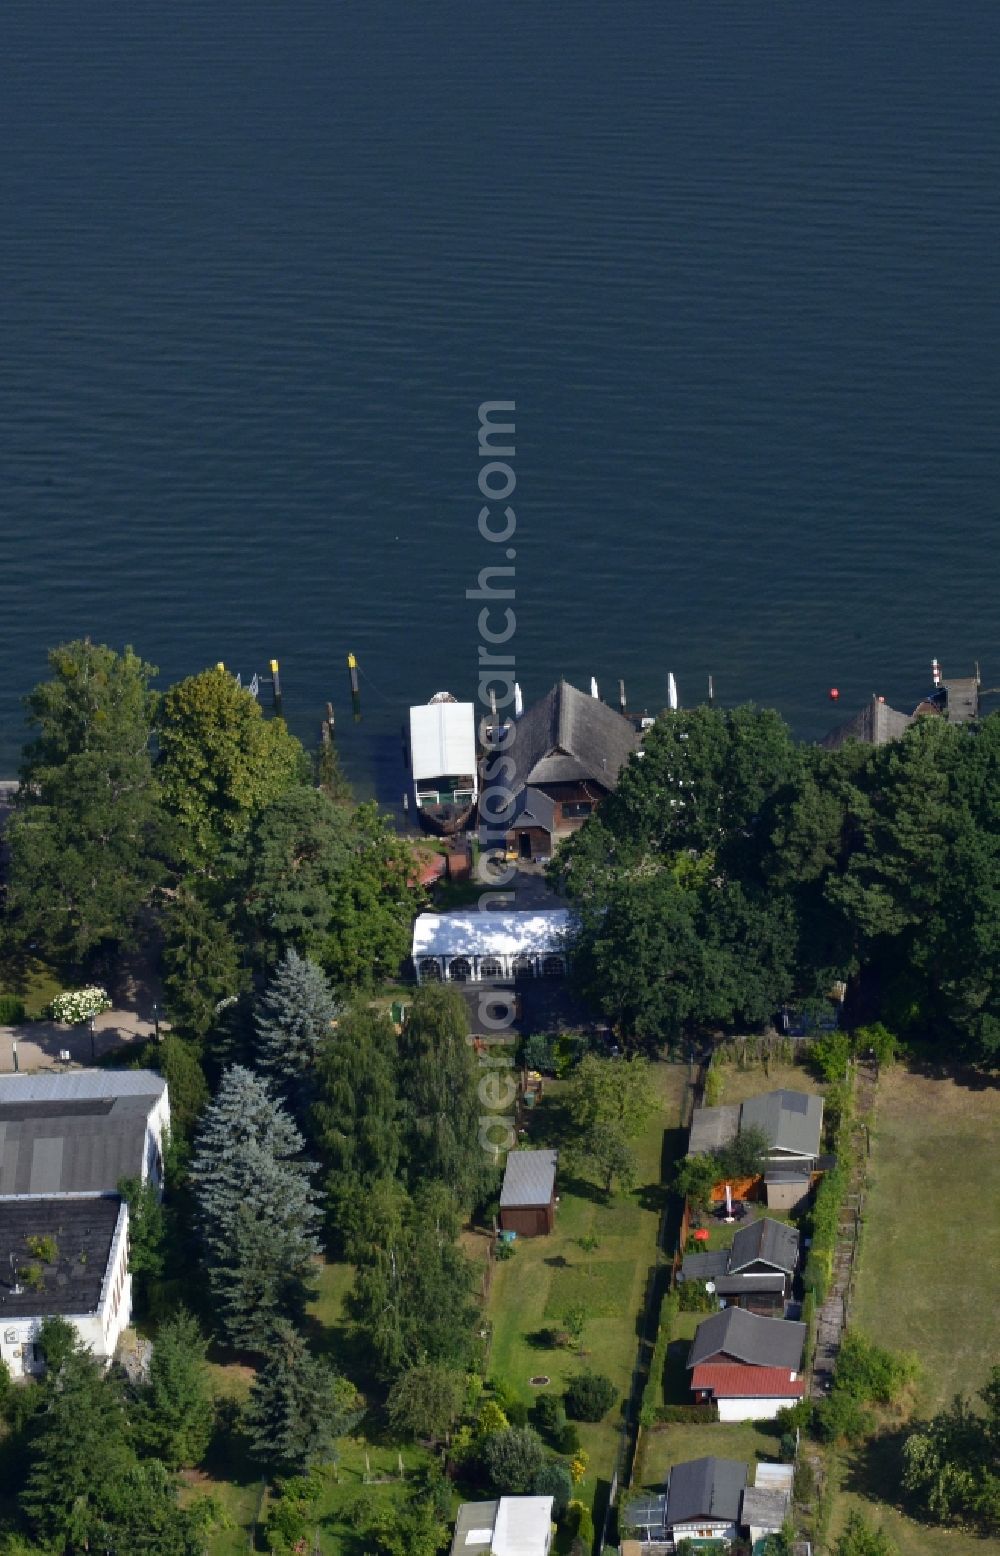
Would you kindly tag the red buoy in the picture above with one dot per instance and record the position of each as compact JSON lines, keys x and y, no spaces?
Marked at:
{"x":834,"y":694}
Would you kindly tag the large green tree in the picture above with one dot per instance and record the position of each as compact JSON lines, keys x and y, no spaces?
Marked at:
{"x":438,"y":1087}
{"x":295,"y":1018}
{"x":356,"y":1119}
{"x":221,"y":761}
{"x":172,"y":1414}
{"x":256,"y":1210}
{"x":202,"y":962}
{"x":87,"y":836}
{"x":412,"y":1288}
{"x":331,"y":882}
{"x":85,"y":1489}
{"x":298,"y":1406}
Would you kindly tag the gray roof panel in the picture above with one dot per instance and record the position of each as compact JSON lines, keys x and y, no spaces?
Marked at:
{"x":765,"y":1241}
{"x":80,"y":1085}
{"x":791,"y":1120}
{"x":747,"y":1338}
{"x":529,"y":1179}
{"x":705,"y":1488}
{"x":569,"y":736}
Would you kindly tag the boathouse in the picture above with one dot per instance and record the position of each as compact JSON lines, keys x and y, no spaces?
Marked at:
{"x":566,"y":754}
{"x":479,"y":947}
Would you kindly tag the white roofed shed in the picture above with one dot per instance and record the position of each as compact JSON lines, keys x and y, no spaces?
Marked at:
{"x":443,"y":740}
{"x":484,"y":947}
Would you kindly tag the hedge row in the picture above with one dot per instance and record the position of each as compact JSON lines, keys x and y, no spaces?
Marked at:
{"x":648,"y":1413}
{"x":830,"y":1197}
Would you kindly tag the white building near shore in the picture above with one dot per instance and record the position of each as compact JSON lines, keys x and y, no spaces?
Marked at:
{"x":477,"y":947}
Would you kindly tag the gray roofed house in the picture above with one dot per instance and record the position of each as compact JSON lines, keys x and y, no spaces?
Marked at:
{"x":765,"y":1241}
{"x":705,"y":1489}
{"x":791,"y":1120}
{"x":62,"y":1255}
{"x":80,"y":1085}
{"x":510,"y":1526}
{"x":569,"y":736}
{"x":529,"y":808}
{"x":747,"y":1338}
{"x":474,"y":1523}
{"x":80,"y":1131}
{"x":81,"y":1228}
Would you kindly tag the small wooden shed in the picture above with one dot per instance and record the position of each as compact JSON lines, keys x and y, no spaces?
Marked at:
{"x":528,"y":1196}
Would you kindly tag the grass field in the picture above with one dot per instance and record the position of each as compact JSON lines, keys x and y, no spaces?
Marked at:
{"x":549,"y":1275}
{"x":929,"y":1259}
{"x":740,"y":1083}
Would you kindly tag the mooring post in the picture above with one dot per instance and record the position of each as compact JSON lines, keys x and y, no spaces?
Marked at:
{"x":352,"y":670}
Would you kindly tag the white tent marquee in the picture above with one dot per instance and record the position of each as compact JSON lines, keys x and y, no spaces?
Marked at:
{"x":482,"y":947}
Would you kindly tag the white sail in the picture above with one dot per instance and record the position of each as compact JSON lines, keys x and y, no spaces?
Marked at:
{"x":672,"y":702}
{"x":593,"y":686}
{"x":518,"y":700}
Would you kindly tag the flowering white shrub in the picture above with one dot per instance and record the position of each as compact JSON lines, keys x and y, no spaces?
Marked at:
{"x":77,"y":1005}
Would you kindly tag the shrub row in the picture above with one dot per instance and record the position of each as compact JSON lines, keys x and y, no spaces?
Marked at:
{"x":11,"y":1010}
{"x":651,"y":1393}
{"x":826,"y":1209}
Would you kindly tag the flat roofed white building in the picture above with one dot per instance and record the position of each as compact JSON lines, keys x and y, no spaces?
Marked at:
{"x":486,"y":947}
{"x":64,"y":1256}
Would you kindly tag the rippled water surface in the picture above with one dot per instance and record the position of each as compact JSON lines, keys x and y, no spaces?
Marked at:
{"x":736,"y":264}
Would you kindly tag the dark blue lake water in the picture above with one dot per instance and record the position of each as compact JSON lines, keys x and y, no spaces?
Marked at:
{"x":736,"y":265}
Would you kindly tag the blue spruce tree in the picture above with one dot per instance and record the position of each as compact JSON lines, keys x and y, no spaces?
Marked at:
{"x":293,"y":1021}
{"x":256,"y":1211}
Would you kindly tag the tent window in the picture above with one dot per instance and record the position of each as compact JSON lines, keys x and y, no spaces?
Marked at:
{"x":490,"y":967}
{"x":554,"y":967}
{"x":523,"y":967}
{"x":430,"y":970}
{"x":460,"y":969}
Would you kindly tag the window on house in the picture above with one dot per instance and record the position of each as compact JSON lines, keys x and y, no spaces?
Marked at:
{"x":573,"y":810}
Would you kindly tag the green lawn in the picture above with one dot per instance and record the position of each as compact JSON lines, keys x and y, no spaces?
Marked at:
{"x":32,"y":980}
{"x":929,"y":1258}
{"x":549,"y":1275}
{"x":664,"y":1446}
{"x":740,"y":1083}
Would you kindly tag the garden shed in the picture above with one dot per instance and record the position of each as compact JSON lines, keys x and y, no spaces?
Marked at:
{"x":528,"y":1195}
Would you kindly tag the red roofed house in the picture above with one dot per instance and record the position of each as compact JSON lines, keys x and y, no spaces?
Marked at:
{"x":750,"y":1366}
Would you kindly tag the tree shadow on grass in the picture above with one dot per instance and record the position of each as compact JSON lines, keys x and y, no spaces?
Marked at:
{"x":874,"y":1470}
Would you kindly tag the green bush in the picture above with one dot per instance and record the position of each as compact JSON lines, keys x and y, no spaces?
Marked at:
{"x":841,"y":1418}
{"x":695,"y":1299}
{"x":579,"y":1524}
{"x":589,"y":1396}
{"x":877,"y":1040}
{"x":871,"y":1373}
{"x":517,"y":1412}
{"x":569,"y":1439}
{"x":554,"y":1480}
{"x":714,"y":1087}
{"x":11,"y":1010}
{"x":686,"y":1415}
{"x":539,"y":1054}
{"x":829,"y":1055}
{"x":550,"y":1415}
